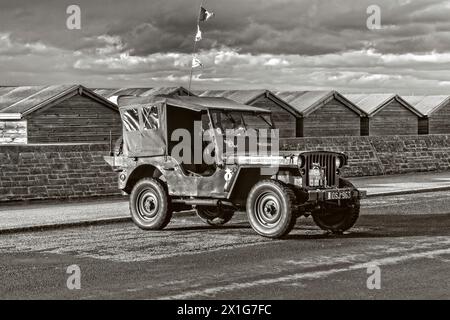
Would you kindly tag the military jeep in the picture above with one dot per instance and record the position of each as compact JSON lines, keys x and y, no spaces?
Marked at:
{"x":209,"y":172}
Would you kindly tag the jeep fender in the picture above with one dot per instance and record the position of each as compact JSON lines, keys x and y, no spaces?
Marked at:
{"x":133,"y":175}
{"x":242,"y":181}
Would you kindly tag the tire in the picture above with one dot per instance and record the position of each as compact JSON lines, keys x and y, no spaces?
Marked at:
{"x":339,"y":219}
{"x":270,"y":209}
{"x":213,"y":217}
{"x":150,"y":205}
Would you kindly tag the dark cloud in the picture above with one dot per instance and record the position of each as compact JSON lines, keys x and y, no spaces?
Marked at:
{"x":256,"y":26}
{"x":419,"y":44}
{"x":251,"y":43}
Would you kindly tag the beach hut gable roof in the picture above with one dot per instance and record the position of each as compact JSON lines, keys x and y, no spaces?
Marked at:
{"x":373,"y":103}
{"x":427,"y":105}
{"x":241,"y":96}
{"x":113,"y":93}
{"x":247,"y":97}
{"x":306,"y":102}
{"x":19,"y":102}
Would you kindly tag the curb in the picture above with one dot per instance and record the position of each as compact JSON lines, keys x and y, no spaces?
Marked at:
{"x":83,"y":223}
{"x":107,"y":221}
{"x":46,"y":227}
{"x":404,"y":192}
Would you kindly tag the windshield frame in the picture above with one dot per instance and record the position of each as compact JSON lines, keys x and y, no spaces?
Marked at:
{"x":230,"y":114}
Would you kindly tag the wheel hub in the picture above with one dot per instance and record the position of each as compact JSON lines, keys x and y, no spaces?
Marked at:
{"x":148,"y":205}
{"x":267,"y":209}
{"x":270,"y":208}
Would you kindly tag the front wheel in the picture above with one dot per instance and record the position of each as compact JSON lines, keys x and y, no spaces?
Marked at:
{"x":149,"y":205}
{"x":339,"y":217}
{"x":270,"y":206}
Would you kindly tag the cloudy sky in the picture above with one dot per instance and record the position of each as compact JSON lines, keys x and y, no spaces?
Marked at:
{"x":273,"y":44}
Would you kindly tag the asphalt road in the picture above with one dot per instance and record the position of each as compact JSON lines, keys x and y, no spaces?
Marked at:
{"x":406,"y":237}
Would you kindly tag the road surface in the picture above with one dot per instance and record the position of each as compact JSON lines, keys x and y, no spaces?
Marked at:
{"x":406,"y":237}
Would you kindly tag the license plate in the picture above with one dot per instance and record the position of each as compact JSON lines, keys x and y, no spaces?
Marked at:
{"x":339,"y":195}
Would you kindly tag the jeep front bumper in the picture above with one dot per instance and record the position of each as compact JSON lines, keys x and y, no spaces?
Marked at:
{"x":321,"y":195}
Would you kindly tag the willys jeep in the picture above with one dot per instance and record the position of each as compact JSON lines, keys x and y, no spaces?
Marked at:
{"x":164,"y":174}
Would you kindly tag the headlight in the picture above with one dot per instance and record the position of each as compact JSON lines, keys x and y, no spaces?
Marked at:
{"x":338,"y":162}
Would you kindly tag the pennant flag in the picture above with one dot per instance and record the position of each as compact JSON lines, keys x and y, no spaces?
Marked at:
{"x":196,"y":62}
{"x":205,"y":15}
{"x":198,"y":36}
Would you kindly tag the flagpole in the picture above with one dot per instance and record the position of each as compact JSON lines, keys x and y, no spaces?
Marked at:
{"x":195,"y":47}
{"x":192,"y":69}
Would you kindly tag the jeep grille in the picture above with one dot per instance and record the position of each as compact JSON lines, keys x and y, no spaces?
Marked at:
{"x":327,"y":161}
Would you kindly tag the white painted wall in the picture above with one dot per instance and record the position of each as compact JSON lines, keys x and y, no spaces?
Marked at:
{"x":13,"y":132}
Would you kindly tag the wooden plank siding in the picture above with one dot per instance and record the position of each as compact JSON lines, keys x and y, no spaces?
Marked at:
{"x":393,"y":119}
{"x":439,"y":121}
{"x":284,"y":121}
{"x":77,"y":119}
{"x":331,"y":119}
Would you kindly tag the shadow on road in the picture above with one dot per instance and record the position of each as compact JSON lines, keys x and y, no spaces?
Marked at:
{"x":207,"y":227}
{"x":373,"y":226}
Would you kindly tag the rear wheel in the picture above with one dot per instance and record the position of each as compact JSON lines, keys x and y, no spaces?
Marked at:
{"x":270,"y":206}
{"x":150,"y":205}
{"x":215,"y":216}
{"x":338,"y":218}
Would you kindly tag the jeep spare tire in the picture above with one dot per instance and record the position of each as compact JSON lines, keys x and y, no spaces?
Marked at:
{"x":270,"y":207}
{"x":149,"y":205}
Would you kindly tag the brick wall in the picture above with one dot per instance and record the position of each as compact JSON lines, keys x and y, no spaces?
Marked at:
{"x":70,"y":171}
{"x":55,"y":171}
{"x":383,"y":154}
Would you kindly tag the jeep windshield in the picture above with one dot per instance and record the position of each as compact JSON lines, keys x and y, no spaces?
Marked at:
{"x":240,"y":121}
